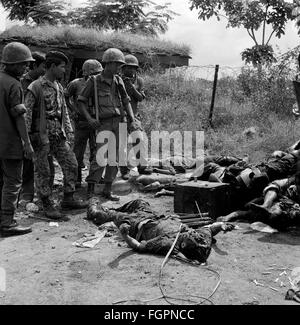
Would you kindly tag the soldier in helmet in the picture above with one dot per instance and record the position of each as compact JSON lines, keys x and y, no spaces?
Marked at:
{"x":134,"y":85}
{"x":14,"y":139}
{"x":108,"y":93}
{"x":83,"y":132}
{"x":49,"y":122}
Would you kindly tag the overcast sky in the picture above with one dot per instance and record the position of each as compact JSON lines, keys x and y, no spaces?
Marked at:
{"x":210,"y":41}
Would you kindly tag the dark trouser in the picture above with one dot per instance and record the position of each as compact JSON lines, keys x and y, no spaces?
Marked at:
{"x":67,"y":161}
{"x":139,"y":150}
{"x":83,"y":134}
{"x":10,"y":185}
{"x":27,"y":192}
{"x":212,"y":168}
{"x":111,"y":167}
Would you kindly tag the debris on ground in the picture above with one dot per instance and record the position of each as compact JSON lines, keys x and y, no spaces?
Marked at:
{"x":53,"y":224}
{"x":262,"y":227}
{"x":89,"y":240}
{"x":164,"y":193}
{"x":258,"y":284}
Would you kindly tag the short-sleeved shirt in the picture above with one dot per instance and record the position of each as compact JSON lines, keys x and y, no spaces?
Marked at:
{"x":73,"y":90}
{"x":111,"y":95}
{"x":11,"y":95}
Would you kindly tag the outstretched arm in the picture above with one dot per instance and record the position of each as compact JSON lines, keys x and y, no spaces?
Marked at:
{"x":220,"y":226}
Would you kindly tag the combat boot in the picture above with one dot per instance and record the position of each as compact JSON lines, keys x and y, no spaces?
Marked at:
{"x":69,"y":203}
{"x":50,"y":211}
{"x":107,"y":193}
{"x":125,"y":172}
{"x":126,"y":176}
{"x":14,"y":230}
{"x":90,"y":190}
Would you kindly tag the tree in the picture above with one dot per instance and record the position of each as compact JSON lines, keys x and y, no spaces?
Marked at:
{"x":18,"y":9}
{"x":255,"y":17}
{"x":125,"y":15}
{"x":136,"y":16}
{"x":48,"y":12}
{"x":296,"y":13}
{"x":39,"y":11}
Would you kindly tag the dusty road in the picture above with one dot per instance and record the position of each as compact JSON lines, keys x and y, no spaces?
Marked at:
{"x":44,"y":268}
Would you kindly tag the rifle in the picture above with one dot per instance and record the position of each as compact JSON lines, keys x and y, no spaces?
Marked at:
{"x":96,"y":98}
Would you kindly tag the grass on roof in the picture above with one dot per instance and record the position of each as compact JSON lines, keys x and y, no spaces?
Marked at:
{"x":91,"y":38}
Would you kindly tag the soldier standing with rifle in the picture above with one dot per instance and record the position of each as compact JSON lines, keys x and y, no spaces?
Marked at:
{"x":135,"y":88}
{"x":108,"y":94}
{"x":83,"y":132}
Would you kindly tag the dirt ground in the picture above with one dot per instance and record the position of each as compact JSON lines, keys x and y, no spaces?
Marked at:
{"x":45,"y":268}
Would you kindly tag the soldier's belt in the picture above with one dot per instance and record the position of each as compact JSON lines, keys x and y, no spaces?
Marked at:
{"x":53,"y":118}
{"x":107,"y":117}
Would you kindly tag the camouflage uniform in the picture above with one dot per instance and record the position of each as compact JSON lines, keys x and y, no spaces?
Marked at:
{"x":27,"y":191}
{"x":49,"y":124}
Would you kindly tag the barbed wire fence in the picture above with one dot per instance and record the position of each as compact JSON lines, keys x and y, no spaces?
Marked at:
{"x":218,"y":81}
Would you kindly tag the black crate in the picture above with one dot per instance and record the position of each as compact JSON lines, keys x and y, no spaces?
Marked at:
{"x":213,"y":198}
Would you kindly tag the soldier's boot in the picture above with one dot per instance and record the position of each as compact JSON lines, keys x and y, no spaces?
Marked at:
{"x":145,"y":170}
{"x":125,"y":172}
{"x":14,"y":229}
{"x":79,"y":178}
{"x":50,"y":211}
{"x":70,"y":203}
{"x":90,"y":190}
{"x":107,"y":193}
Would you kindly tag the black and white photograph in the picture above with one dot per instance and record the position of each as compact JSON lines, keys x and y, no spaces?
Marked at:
{"x":150,"y":155}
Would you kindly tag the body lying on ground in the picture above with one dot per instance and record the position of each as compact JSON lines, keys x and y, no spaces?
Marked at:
{"x":279,"y":209}
{"x":148,"y":232}
{"x":180,"y":164}
{"x":249,"y":180}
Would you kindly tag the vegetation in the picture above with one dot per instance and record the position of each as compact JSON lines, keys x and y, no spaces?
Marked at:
{"x":254,"y":16}
{"x":248,"y":100}
{"x":39,"y":11}
{"x":92,"y":38}
{"x":134,"y":16}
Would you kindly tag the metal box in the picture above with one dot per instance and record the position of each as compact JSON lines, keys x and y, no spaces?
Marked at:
{"x":213,"y":198}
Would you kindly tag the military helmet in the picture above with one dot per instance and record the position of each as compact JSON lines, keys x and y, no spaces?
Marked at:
{"x":131,"y":60}
{"x":91,"y":67}
{"x":113,"y":55}
{"x":16,"y":52}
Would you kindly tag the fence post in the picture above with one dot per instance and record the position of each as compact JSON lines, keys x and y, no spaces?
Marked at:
{"x":213,"y":95}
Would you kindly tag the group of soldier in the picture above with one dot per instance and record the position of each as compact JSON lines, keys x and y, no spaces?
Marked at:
{"x":40,"y":120}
